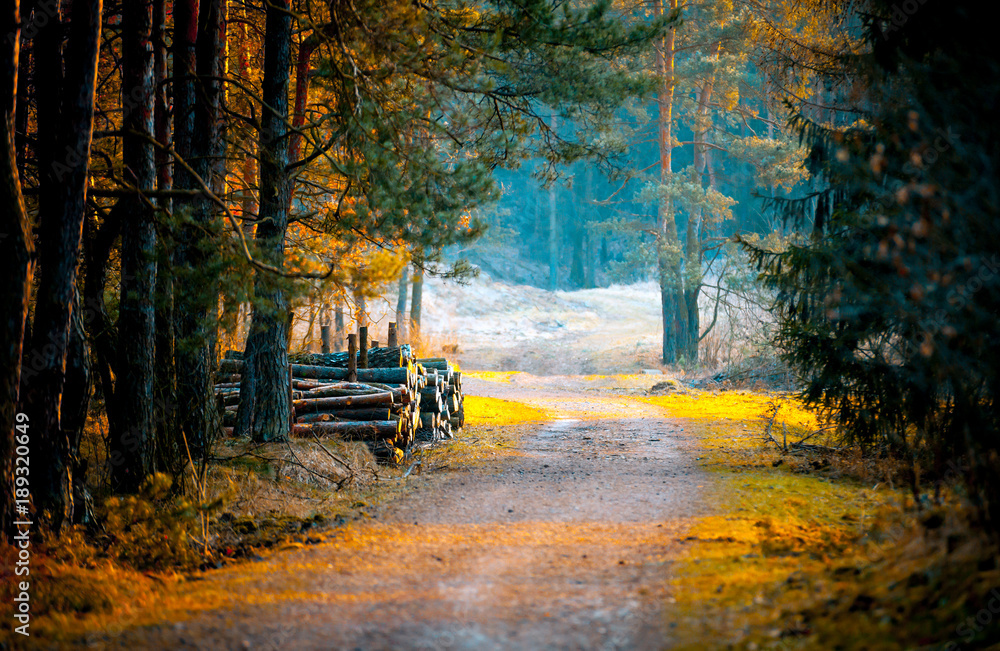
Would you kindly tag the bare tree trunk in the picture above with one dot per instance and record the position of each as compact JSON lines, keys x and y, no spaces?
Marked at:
{"x":168,"y":448}
{"x":360,"y":309}
{"x":103,"y":336}
{"x":16,"y":250}
{"x":196,"y":305}
{"x":404,"y":283}
{"x":415,"y":301}
{"x":65,"y":124}
{"x":692,"y":257}
{"x":668,"y":245}
{"x":267,"y":345}
{"x":24,"y":76}
{"x":306,"y":49}
{"x":553,"y":231}
{"x":136,"y":333}
{"x":74,"y":406}
{"x":338,"y":327}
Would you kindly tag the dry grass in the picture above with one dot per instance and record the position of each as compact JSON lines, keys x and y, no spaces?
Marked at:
{"x":816,"y":550}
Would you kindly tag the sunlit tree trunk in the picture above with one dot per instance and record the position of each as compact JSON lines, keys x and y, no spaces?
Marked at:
{"x":404,"y":285}
{"x":693,"y":255}
{"x":668,"y":243}
{"x":16,"y":249}
{"x":65,"y":125}
{"x":416,"y":301}
{"x":338,"y":326}
{"x":553,"y":232}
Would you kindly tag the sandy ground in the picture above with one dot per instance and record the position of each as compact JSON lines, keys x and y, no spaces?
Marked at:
{"x":499,"y":326}
{"x":567,"y":546}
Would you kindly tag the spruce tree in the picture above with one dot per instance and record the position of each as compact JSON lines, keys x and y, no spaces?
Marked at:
{"x":889,"y":307}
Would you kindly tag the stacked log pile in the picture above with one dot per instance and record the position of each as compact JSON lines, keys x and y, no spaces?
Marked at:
{"x":392,"y":403}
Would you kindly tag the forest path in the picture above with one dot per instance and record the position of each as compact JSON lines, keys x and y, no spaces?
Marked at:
{"x":564,"y":546}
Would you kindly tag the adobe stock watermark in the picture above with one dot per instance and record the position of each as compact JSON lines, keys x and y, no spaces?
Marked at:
{"x":944,"y":140}
{"x":982,"y":621}
{"x":43,"y":12}
{"x":901,"y":13}
{"x":22,"y":526}
{"x":958,"y":298}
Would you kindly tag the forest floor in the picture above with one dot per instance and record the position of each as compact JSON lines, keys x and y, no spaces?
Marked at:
{"x":574,"y":512}
{"x":584,"y":513}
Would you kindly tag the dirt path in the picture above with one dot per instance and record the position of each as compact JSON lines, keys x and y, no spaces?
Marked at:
{"x":565,"y":547}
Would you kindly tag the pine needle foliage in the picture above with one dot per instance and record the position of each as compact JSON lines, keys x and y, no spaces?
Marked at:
{"x":889,"y":309}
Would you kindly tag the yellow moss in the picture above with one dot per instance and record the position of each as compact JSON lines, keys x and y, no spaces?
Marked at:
{"x":480,"y":410}
{"x":796,"y":559}
{"x":735,"y":406}
{"x":492,"y":376}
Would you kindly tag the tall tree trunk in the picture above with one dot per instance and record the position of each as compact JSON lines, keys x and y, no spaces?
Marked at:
{"x":65,"y":124}
{"x":99,"y":242}
{"x":416,"y":300}
{"x":692,"y":256}
{"x":195,"y":264}
{"x":590,"y":263}
{"x":404,"y":285}
{"x":360,"y":309}
{"x":248,"y":204}
{"x":553,"y":232}
{"x":267,"y":345}
{"x":135,"y":439}
{"x":24,"y":72}
{"x":306,"y":49}
{"x":16,"y":250}
{"x":338,"y":326}
{"x":668,"y":244}
{"x":73,"y":409}
{"x":168,"y":447}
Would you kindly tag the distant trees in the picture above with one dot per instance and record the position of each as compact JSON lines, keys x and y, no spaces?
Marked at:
{"x":211,"y":183}
{"x":682,"y":167}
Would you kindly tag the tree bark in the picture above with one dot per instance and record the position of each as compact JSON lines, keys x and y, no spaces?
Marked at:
{"x":404,"y":283}
{"x":168,"y":448}
{"x":16,"y":250}
{"x":65,"y":124}
{"x":338,"y":327}
{"x":135,"y":439}
{"x":266,"y":349}
{"x":196,"y":306}
{"x":553,"y":232}
{"x":692,"y":256}
{"x":416,"y":300}
{"x":99,"y":243}
{"x":74,"y":406}
{"x":668,"y":244}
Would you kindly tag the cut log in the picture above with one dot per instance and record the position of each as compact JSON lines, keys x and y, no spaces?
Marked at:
{"x":363,"y":347}
{"x":383,"y":357}
{"x":352,"y":360}
{"x":403,"y":375}
{"x":307,"y":405}
{"x":374,"y":430}
{"x":372,"y":413}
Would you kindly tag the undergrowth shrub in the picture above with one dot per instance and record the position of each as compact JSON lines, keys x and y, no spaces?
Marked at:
{"x":156,"y":529}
